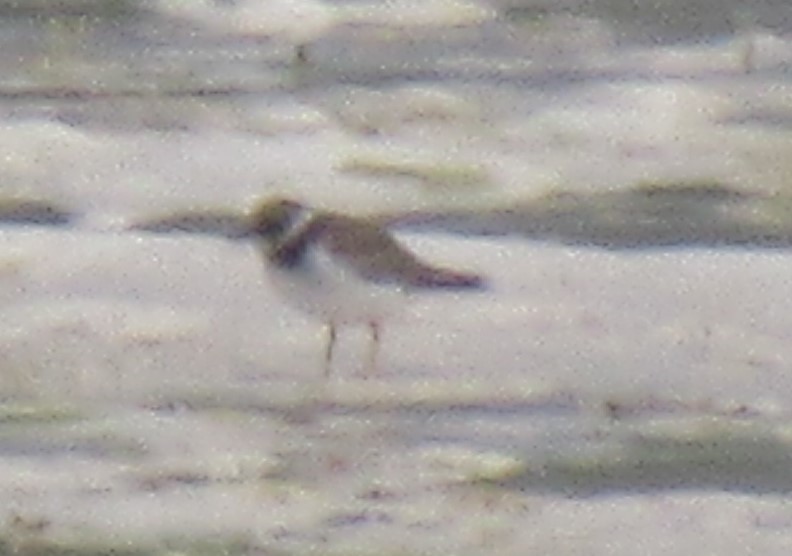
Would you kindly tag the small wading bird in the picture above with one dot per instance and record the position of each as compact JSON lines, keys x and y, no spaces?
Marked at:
{"x":343,"y":269}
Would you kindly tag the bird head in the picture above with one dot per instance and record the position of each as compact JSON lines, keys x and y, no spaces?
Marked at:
{"x":274,"y":218}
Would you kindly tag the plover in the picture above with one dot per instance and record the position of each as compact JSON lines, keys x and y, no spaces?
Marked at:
{"x":343,"y":269}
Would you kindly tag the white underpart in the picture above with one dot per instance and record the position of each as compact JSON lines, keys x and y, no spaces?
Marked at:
{"x":328,"y":289}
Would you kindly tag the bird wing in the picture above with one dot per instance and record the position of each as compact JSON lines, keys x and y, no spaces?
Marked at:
{"x":374,"y":254}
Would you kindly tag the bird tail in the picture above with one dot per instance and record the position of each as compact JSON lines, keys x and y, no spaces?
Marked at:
{"x":451,"y":279}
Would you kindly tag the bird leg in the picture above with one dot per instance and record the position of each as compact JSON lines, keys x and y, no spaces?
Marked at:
{"x":331,"y":338}
{"x":301,"y":54}
{"x":373,"y":347}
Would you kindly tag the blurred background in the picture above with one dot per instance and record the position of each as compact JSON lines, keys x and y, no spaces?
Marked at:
{"x":618,"y":170}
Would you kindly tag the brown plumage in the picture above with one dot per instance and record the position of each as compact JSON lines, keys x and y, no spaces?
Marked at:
{"x":343,"y":268}
{"x":371,"y":252}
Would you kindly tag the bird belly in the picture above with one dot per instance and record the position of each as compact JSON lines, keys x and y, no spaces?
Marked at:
{"x":323,"y":287}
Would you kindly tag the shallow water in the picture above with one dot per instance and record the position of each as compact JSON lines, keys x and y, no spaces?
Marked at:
{"x":615,"y":172}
